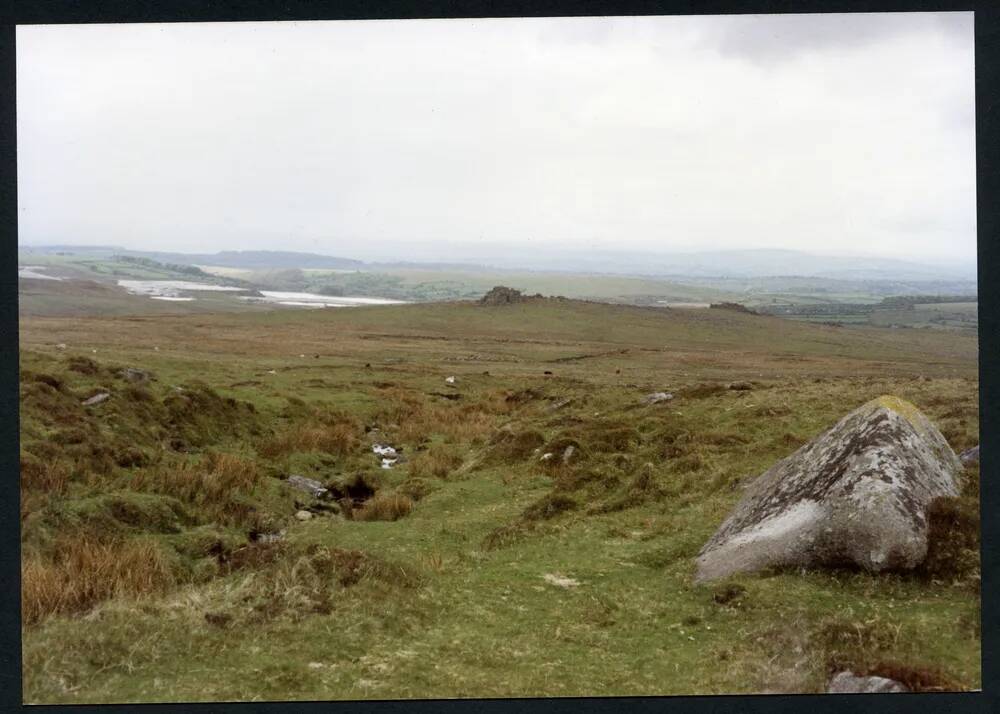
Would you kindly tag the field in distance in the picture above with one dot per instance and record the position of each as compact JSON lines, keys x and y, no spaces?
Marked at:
{"x":164,"y":560}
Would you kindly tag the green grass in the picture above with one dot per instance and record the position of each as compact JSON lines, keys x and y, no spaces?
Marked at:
{"x":451,"y":599}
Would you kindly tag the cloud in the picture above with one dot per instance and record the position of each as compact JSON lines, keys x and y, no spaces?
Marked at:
{"x":769,"y":39}
{"x":378,"y":139}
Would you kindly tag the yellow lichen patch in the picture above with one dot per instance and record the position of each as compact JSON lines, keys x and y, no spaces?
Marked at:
{"x":902,"y":407}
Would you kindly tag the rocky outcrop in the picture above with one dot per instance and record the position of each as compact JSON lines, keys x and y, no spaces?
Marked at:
{"x":312,"y":487}
{"x":501,"y":295}
{"x":848,"y":683}
{"x":734,"y":306}
{"x":856,"y":494}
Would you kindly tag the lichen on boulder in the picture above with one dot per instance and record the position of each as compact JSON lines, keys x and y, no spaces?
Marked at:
{"x":855,"y":495}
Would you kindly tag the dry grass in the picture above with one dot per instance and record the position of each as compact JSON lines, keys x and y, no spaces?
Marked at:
{"x":384,"y":507}
{"x":217,"y":485}
{"x":438,"y":461}
{"x":49,"y":477}
{"x":85,"y":571}
{"x":339,"y":438}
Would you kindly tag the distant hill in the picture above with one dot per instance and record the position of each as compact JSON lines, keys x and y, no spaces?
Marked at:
{"x":757,"y":263}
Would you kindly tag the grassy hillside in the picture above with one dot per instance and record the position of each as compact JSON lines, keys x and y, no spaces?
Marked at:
{"x":474,"y":567}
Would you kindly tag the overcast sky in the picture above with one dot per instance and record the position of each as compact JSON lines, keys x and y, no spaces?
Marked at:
{"x":386,"y":139}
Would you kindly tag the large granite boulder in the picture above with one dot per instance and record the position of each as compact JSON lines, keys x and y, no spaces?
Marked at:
{"x":856,"y":494}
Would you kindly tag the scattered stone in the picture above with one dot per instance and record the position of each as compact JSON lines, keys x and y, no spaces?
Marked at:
{"x":501,"y":295}
{"x":134,"y":375}
{"x":560,"y":404}
{"x":156,"y":349}
{"x":383,"y":450}
{"x":970,"y":456}
{"x":269,"y":537}
{"x":449,"y":380}
{"x":96,"y":399}
{"x":741,"y":386}
{"x":301,"y":356}
{"x":849,"y":683}
{"x":310,"y":486}
{"x":61,"y":346}
{"x":560,"y":581}
{"x":271,"y":371}
{"x":568,"y":453}
{"x":857,"y":493}
{"x":657,"y":397}
{"x":388,"y":463}
{"x":546,"y":456}
{"x":303,"y":515}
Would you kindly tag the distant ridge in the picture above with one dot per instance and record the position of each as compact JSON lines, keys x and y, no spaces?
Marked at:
{"x":724,"y":264}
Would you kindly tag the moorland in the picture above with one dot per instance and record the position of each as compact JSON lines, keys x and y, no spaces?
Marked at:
{"x":166,"y":557}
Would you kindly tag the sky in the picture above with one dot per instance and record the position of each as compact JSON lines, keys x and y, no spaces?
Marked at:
{"x":449,"y":139}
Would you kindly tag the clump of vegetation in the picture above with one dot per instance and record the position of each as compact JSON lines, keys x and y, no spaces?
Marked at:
{"x":437,"y":461}
{"x":916,"y":678}
{"x":866,"y":648}
{"x":414,"y":487}
{"x":728,"y":594}
{"x":702,"y":391}
{"x":384,"y":507}
{"x":549,"y":507}
{"x":339,"y":438}
{"x":83,"y":570}
{"x":510,"y":446}
{"x":219,"y":486}
{"x":952,"y":539}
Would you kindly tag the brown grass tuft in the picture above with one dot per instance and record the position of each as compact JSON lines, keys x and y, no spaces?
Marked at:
{"x":85,"y":571}
{"x":338,"y":438}
{"x":384,"y":507}
{"x":218,"y":485}
{"x":952,"y":539}
{"x":439,"y":460}
{"x":49,"y":477}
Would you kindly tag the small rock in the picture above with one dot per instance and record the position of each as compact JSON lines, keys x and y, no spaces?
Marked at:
{"x":269,"y":537}
{"x":134,"y":375}
{"x":303,"y":515}
{"x":96,"y":399}
{"x":449,"y":380}
{"x":310,"y":486}
{"x":970,"y":456}
{"x":387,"y":463}
{"x":560,"y":404}
{"x":383,"y":450}
{"x":560,"y":581}
{"x":301,"y":356}
{"x":568,"y":453}
{"x":657,"y":397}
{"x":271,"y":371}
{"x":546,"y":456}
{"x":61,"y":346}
{"x":848,"y":683}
